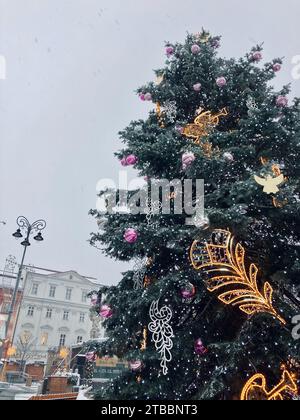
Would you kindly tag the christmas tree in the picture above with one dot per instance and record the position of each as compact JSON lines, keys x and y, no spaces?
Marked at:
{"x":210,"y":300}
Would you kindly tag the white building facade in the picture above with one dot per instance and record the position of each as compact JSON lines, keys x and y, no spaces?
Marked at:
{"x":55,"y":312}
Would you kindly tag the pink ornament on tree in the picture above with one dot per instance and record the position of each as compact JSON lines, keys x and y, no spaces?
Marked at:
{"x":105,"y":311}
{"x":187,"y":159}
{"x":90,"y":356}
{"x":282,"y":101}
{"x":188,"y":292}
{"x":131,"y":160}
{"x":179,"y":129}
{"x":142,"y":97}
{"x":221,"y":82}
{"x":257,"y":56}
{"x":94,"y":300}
{"x":130,"y":236}
{"x":199,"y":347}
{"x":148,"y":97}
{"x":197,"y":87}
{"x":216,"y":43}
{"x":123,"y":161}
{"x":169,"y":51}
{"x":228,"y":156}
{"x":277,"y":67}
{"x":195,"y":49}
{"x":136,"y":365}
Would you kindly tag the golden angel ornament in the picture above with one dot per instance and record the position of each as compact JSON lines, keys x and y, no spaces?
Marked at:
{"x":270,"y":183}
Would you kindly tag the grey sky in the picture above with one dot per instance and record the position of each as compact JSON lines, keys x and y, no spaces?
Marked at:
{"x":72,"y":68}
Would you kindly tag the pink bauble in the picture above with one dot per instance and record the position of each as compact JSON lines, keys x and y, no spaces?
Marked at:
{"x":169,"y":51}
{"x":282,"y":101}
{"x":197,"y":87}
{"x":123,"y":161}
{"x":188,"y":292}
{"x":199,"y":347}
{"x":136,"y":365}
{"x":142,"y":97}
{"x":94,"y":300}
{"x":195,"y":49}
{"x":131,"y":160}
{"x":221,"y":81}
{"x":187,"y":159}
{"x":131,"y":236}
{"x":90,"y":356}
{"x":228,"y":156}
{"x":257,"y":56}
{"x":148,"y":97}
{"x":105,"y":311}
{"x":216,"y":43}
{"x":179,"y":129}
{"x":277,"y":67}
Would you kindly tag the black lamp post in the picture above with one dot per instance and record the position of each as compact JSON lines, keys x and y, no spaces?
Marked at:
{"x":25,"y":230}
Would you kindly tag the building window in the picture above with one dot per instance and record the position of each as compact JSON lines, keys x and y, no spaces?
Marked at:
{"x":35,"y":288}
{"x":66,"y":316}
{"x":5,"y":307}
{"x":25,"y":337}
{"x":62,"y":340}
{"x":94,"y":334}
{"x":49,"y":313}
{"x":84,"y":296}
{"x":52,"y":291}
{"x":44,"y":339}
{"x":30,"y":311}
{"x":79,"y":339}
{"x":82,"y":317}
{"x":68,"y":294}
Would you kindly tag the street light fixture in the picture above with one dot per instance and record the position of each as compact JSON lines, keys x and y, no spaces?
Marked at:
{"x":25,"y":229}
{"x":18,"y":234}
{"x":38,"y":237}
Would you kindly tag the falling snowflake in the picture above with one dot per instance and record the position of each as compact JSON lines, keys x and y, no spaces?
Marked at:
{"x":251,"y":105}
{"x":169,"y":109}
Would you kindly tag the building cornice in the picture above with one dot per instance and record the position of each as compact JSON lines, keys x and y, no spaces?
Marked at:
{"x":54,"y":303}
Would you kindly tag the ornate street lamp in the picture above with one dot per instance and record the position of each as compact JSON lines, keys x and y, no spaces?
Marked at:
{"x":25,"y":230}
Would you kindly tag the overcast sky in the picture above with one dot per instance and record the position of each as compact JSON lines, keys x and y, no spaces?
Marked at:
{"x":72,"y":68}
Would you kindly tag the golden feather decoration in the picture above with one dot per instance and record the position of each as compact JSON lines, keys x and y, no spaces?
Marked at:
{"x":224,"y":262}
